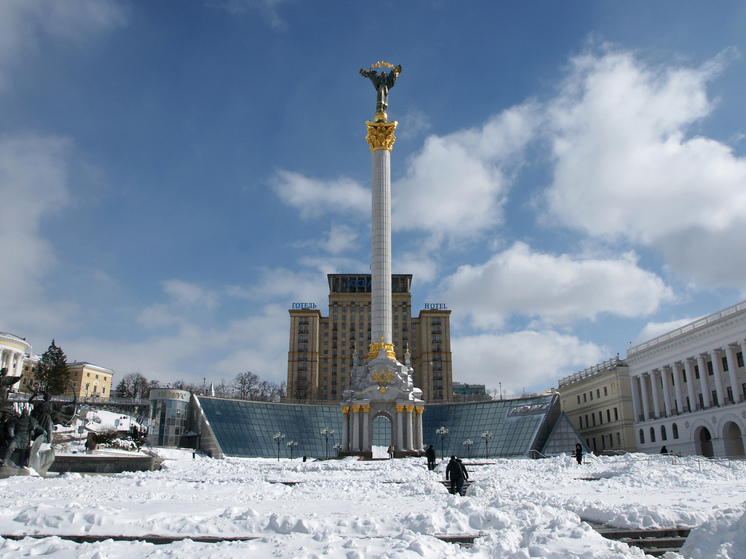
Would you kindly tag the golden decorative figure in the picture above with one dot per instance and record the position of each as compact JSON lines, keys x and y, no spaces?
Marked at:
{"x":381,"y":135}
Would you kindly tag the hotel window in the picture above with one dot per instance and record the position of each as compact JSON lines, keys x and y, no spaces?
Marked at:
{"x":652,"y":435}
{"x":606,"y":391}
{"x":664,"y":437}
{"x":616,"y":414}
{"x":578,"y":398}
{"x":608,"y":416}
{"x":739,"y":358}
{"x":709,"y":369}
{"x":598,"y":392}
{"x":725,"y":364}
{"x":675,"y":430}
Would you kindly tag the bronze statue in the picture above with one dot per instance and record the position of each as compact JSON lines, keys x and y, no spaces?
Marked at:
{"x":20,"y":432}
{"x":382,"y":81}
{"x":5,"y":383}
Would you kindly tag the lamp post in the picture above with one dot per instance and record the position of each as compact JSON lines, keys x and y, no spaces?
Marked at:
{"x":326,"y":433}
{"x":337,"y":447}
{"x":467,"y":443}
{"x":278,"y":437}
{"x":442,"y":431}
{"x":292,"y":445}
{"x":486,"y":436}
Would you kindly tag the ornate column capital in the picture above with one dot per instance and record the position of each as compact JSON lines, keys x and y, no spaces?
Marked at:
{"x":410,"y":409}
{"x":345,"y":410}
{"x":400,"y":409}
{"x":381,"y":135}
{"x":365,"y":408}
{"x":356,"y":409}
{"x":419,"y":409}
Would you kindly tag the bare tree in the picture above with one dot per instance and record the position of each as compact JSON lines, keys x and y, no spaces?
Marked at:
{"x":246,"y":386}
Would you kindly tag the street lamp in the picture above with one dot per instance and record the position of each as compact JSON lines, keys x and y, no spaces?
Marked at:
{"x":338,"y":448}
{"x":278,"y":437}
{"x":292,"y":445}
{"x":467,"y":443}
{"x":442,"y":431}
{"x":486,"y":436}
{"x":326,"y":433}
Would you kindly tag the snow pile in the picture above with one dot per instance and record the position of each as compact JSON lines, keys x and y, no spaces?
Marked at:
{"x":350,"y":509}
{"x":723,"y":536}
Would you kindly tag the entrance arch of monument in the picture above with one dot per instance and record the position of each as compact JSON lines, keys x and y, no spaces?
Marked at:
{"x":379,"y":439}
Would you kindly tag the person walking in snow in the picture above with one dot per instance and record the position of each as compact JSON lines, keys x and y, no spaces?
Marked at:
{"x":430,"y":454}
{"x":455,"y":474}
{"x":578,"y":453}
{"x":464,"y":477}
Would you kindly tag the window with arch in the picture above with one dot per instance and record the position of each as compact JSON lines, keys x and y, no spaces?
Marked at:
{"x":642,"y":436}
{"x":675,"y":430}
{"x":663,"y":433}
{"x":652,"y":435}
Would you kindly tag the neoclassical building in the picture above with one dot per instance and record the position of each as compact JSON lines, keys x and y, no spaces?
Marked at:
{"x":13,"y":350}
{"x":599,"y":403}
{"x":689,"y":387}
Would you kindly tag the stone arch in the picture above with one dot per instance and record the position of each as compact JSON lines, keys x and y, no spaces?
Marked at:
{"x":702,"y":439}
{"x":732,"y":431}
{"x":382,"y":436}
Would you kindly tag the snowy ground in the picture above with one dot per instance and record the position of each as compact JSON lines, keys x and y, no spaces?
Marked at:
{"x":353,"y":510}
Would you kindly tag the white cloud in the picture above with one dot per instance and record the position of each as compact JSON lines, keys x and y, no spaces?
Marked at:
{"x":341,"y":238}
{"x":555,"y":289}
{"x":22,"y":22}
{"x":530,"y":360}
{"x":189,"y":294}
{"x":628,"y":166}
{"x":257,"y":343}
{"x":314,"y":198}
{"x":456,"y":185}
{"x":654,"y":329}
{"x":33,"y":186}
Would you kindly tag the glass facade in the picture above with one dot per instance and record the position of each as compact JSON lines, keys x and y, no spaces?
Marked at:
{"x":244,"y":428}
{"x":515,"y":426}
{"x":248,"y":428}
{"x":168,"y":416}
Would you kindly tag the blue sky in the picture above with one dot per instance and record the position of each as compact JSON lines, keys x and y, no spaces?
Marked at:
{"x":568,"y":177}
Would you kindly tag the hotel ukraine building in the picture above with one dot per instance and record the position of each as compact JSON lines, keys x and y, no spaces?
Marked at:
{"x":322,"y":349}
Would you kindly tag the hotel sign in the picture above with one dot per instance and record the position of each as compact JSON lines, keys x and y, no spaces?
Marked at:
{"x":302,"y":306}
{"x":435,"y":306}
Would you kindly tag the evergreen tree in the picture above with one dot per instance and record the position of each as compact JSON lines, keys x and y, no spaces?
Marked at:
{"x":52,"y":372}
{"x":122,"y":390}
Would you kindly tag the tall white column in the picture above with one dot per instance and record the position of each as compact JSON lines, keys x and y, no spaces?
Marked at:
{"x":702,"y":366}
{"x":420,"y":444}
{"x":730,"y":357}
{"x":634,"y":385}
{"x":399,"y":427}
{"x":356,"y":428}
{"x":644,"y":395}
{"x":367,"y":435}
{"x":665,"y":372}
{"x":690,"y":381}
{"x":410,"y":442}
{"x":717,"y":370}
{"x":381,"y":256}
{"x":677,"y":381}
{"x":656,"y":393}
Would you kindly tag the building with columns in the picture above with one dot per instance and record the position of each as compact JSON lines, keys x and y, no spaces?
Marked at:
{"x":688,"y":387}
{"x":599,"y":403}
{"x":13,"y":351}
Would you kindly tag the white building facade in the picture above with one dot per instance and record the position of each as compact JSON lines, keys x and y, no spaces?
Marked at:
{"x":13,"y":350}
{"x":689,"y":387}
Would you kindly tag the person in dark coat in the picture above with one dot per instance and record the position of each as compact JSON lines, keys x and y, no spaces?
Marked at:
{"x":578,"y":453}
{"x":430,"y":454}
{"x":464,"y":477}
{"x":455,"y":474}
